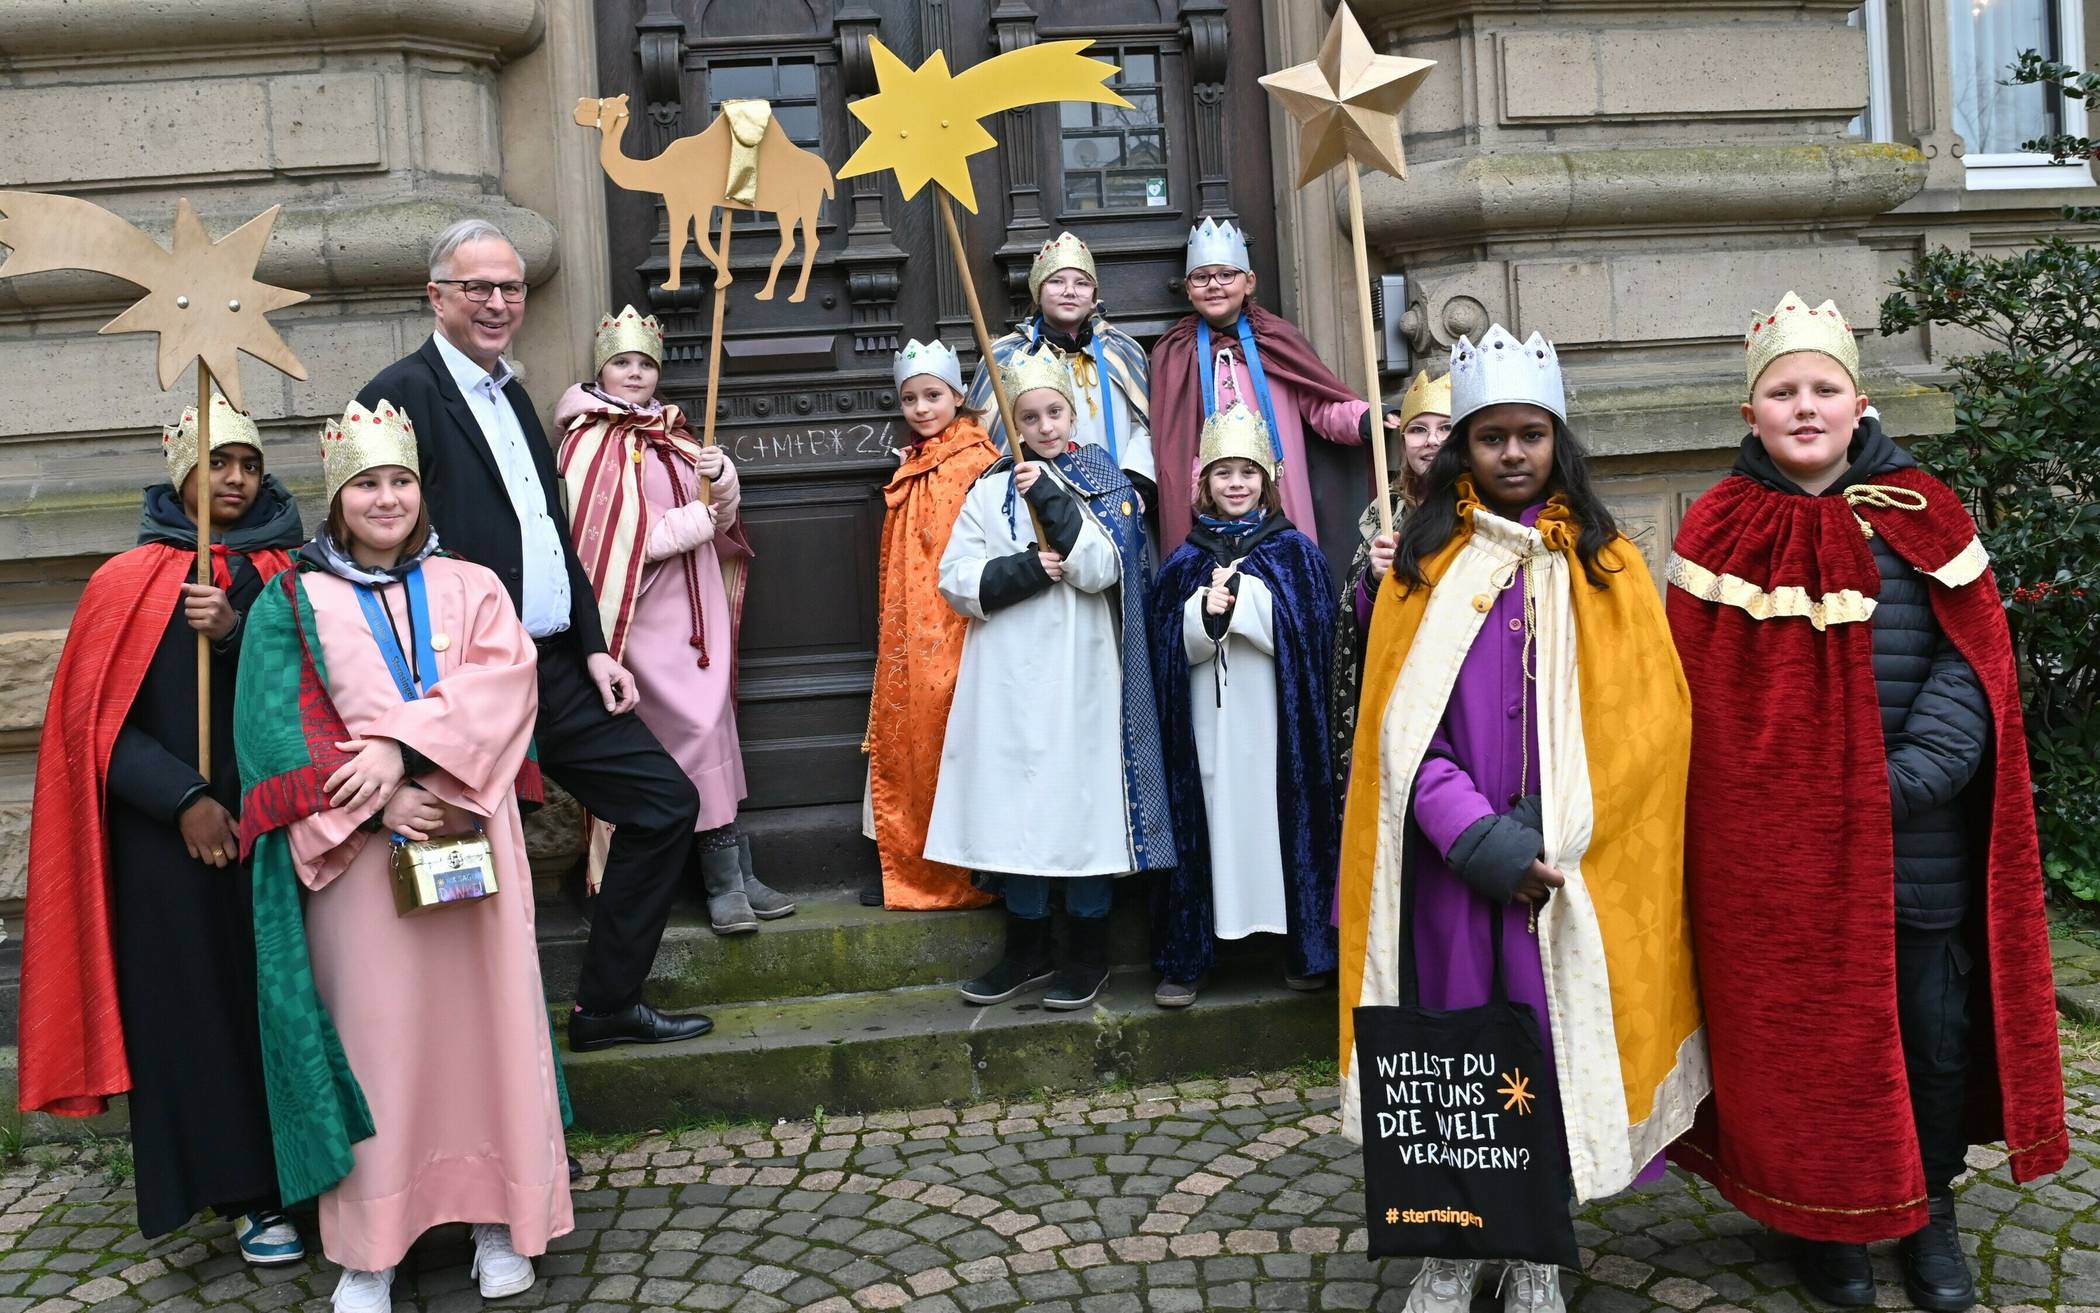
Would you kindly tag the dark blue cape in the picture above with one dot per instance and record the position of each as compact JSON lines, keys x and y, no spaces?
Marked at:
{"x":1308,"y":811}
{"x":1105,"y":493}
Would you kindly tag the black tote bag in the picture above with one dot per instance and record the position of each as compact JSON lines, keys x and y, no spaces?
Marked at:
{"x":1463,"y":1149}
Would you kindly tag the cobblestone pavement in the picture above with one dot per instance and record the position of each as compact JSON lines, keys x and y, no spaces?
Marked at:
{"x":1232,"y":1194}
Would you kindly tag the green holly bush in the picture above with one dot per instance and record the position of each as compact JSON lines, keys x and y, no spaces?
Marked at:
{"x":2024,"y":454}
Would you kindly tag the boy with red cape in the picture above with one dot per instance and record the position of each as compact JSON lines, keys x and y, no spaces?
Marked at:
{"x":138,"y":964}
{"x":1873,"y":949}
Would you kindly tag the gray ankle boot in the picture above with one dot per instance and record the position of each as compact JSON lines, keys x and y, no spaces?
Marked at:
{"x":770,"y":904}
{"x":728,"y":911}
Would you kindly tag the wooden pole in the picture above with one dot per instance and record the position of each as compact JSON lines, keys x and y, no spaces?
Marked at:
{"x":714,"y":349}
{"x":984,"y":346}
{"x":1370,"y":342}
{"x":203,"y":477}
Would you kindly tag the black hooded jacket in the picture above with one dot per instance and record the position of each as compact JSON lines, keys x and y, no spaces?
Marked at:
{"x":1935,"y":719}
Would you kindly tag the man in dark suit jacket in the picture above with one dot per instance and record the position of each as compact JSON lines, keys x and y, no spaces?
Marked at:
{"x":495,"y":499}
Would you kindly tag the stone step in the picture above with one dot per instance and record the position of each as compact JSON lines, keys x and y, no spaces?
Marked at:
{"x":923,"y":1046}
{"x":831,"y":945}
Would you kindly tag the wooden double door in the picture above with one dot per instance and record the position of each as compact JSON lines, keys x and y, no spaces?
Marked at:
{"x":806,"y":406}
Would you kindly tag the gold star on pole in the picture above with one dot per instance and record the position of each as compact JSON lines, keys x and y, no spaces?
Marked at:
{"x":1348,"y":101}
{"x":923,"y":122}
{"x":202,"y":299}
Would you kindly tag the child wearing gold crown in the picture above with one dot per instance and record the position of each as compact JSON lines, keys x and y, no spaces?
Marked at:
{"x":1242,"y":616}
{"x":138,"y":975}
{"x":1896,"y":891}
{"x":1050,"y":770}
{"x":918,"y":648}
{"x":1519,"y":793}
{"x":1109,"y":375}
{"x":654,"y":515}
{"x":1425,"y":421}
{"x":1230,"y":349}
{"x":386,"y":702}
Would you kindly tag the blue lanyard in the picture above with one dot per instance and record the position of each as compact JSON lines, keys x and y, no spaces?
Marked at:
{"x":1207,"y":363}
{"x":380,"y":621}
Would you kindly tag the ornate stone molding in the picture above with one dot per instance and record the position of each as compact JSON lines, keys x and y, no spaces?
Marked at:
{"x":66,"y":30}
{"x":1446,"y":203}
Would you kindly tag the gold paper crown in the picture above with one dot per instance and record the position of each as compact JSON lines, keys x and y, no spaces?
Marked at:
{"x":1791,"y":326}
{"x":627,"y":331}
{"x":1063,"y":251}
{"x":1029,"y":370}
{"x":365,"y":440}
{"x":1425,"y":398}
{"x":229,"y":427}
{"x":1237,"y":432}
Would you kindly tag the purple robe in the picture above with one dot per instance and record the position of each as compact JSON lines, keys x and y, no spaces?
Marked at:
{"x":1475,"y":768}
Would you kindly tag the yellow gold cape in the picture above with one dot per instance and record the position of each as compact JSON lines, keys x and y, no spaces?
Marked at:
{"x":1615,"y":742}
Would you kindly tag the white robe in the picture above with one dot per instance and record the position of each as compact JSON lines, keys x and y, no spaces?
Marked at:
{"x":1032,"y":765}
{"x":1236,"y":755}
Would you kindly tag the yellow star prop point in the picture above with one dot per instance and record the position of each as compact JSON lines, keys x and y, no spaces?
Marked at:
{"x":1347,"y":102}
{"x":923,"y":122}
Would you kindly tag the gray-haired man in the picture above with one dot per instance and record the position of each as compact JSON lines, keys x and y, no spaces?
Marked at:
{"x":494,"y":498}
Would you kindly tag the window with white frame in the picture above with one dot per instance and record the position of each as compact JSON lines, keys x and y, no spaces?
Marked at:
{"x":1984,"y":40}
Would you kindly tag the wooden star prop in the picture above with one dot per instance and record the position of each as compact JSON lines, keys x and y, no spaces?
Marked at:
{"x":1348,"y":101}
{"x":202,"y":299}
{"x":923,"y":122}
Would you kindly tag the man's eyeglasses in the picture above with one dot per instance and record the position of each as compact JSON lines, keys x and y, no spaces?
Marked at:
{"x":1225,"y":279}
{"x":479,"y":291}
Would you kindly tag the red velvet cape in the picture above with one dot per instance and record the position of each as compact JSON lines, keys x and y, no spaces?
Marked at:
{"x":1177,"y":403}
{"x":72,"y":1039}
{"x":1790,"y":869}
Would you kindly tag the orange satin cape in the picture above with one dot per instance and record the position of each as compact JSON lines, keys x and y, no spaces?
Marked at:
{"x":918,"y":653}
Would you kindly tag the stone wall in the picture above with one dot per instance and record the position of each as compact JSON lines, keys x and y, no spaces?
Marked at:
{"x":374,"y":125}
{"x":1636,"y":179}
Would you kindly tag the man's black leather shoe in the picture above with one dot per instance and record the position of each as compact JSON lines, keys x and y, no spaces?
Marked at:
{"x":575,"y":1170}
{"x":1835,"y":1273}
{"x":640,"y":1024}
{"x":1935,"y":1272}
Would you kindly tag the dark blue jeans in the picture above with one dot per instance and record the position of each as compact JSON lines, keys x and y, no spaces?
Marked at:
{"x":1028,"y":896}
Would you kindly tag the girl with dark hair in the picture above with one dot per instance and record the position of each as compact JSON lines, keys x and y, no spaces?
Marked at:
{"x":1528,"y":714}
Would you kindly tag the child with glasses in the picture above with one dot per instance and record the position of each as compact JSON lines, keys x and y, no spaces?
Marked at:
{"x":1231,"y":350}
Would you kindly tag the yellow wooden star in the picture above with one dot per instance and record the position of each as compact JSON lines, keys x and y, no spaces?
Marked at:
{"x":1348,"y":101}
{"x":923,"y":123}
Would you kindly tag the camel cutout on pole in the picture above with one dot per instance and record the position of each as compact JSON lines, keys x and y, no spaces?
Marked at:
{"x":693,"y":175}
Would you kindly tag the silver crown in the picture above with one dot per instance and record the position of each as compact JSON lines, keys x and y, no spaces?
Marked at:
{"x":1212,"y":242}
{"x":936,"y":358}
{"x":1501,"y":369}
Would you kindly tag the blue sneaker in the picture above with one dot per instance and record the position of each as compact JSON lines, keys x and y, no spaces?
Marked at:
{"x":268,"y":1238}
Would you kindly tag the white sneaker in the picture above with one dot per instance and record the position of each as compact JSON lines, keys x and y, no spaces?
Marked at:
{"x":500,"y":1269}
{"x":1444,"y":1285}
{"x":1532,"y":1288}
{"x":364,"y":1292}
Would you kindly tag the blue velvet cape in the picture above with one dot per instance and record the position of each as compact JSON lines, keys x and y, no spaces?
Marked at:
{"x":1308,"y":810}
{"x":1106,"y":495}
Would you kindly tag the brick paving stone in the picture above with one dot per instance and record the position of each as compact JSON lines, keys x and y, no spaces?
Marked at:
{"x":1234,"y":1194}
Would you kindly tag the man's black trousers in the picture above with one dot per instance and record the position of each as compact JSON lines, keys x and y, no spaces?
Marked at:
{"x":615,"y":767}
